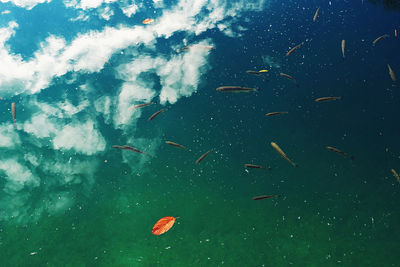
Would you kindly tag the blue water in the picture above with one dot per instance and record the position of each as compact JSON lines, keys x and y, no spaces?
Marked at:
{"x":68,"y":198}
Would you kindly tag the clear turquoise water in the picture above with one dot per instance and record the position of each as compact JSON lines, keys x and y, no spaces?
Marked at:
{"x":98,"y":209}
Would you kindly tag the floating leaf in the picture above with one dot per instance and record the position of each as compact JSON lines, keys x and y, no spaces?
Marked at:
{"x":163,"y":225}
{"x":148,"y":21}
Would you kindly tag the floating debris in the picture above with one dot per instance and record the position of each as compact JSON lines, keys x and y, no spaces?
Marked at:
{"x":235,"y":89}
{"x":163,"y":225}
{"x":156,"y":113}
{"x":203,"y":156}
{"x":174,"y":144}
{"x":148,"y":21}
{"x":327,"y":98}
{"x":280,"y":151}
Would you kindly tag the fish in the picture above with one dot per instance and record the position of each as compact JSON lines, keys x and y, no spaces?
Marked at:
{"x":203,"y":156}
{"x":126,"y":147}
{"x":174,"y":144}
{"x":316,"y":15}
{"x":148,"y":21}
{"x":391,"y":73}
{"x":196,"y":46}
{"x":156,"y":113}
{"x":235,"y":89}
{"x":294,"y":49}
{"x":263,"y":71}
{"x":396,"y":175}
{"x":340,"y":152}
{"x":142,"y":105}
{"x":276,"y":113}
{"x":253,"y":72}
{"x":257,"y":73}
{"x":279,"y":150}
{"x":343,"y":46}
{"x":379,"y":38}
{"x":288,"y":77}
{"x":395,"y":32}
{"x":253,"y":166}
{"x":327,"y":98}
{"x":263,"y":197}
{"x":13,"y":112}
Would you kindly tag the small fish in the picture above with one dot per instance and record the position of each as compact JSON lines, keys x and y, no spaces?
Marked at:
{"x":174,"y":144}
{"x":155,"y":114}
{"x":288,"y":77}
{"x":203,"y":156}
{"x":280,"y":151}
{"x":294,"y":49}
{"x":340,"y":152}
{"x":148,"y":21}
{"x":196,"y":46}
{"x":142,"y":105}
{"x":316,"y":15}
{"x":396,"y":175}
{"x":126,"y":147}
{"x":253,"y":72}
{"x":327,"y":98}
{"x":263,"y":71}
{"x":391,"y":73}
{"x":343,"y":46}
{"x":235,"y":89}
{"x":395,"y":32}
{"x":253,"y":166}
{"x":276,"y":113}
{"x":13,"y":112}
{"x":257,"y":73}
{"x":379,"y":38}
{"x":263,"y":197}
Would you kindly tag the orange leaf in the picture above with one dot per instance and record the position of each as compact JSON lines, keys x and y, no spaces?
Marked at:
{"x":148,"y":21}
{"x":163,"y":225}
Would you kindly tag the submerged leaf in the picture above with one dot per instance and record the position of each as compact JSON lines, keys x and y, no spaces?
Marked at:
{"x":163,"y":225}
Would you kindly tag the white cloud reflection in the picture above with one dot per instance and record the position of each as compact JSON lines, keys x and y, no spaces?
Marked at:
{"x":61,"y":135}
